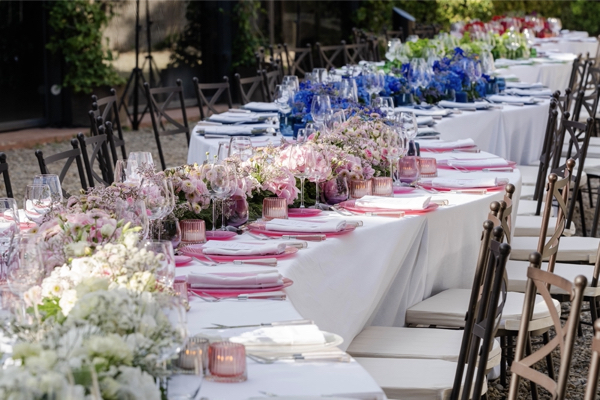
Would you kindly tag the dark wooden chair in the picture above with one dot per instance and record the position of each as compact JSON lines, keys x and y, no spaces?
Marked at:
{"x":5,"y":175}
{"x":578,"y":73}
{"x":158,"y":112}
{"x":389,"y":35}
{"x":424,"y":31}
{"x":108,"y":109}
{"x":98,"y":148}
{"x":331,"y":56}
{"x":68,"y":156}
{"x":353,"y":53}
{"x":221,"y":89}
{"x":270,"y":81}
{"x":594,"y":370}
{"x":301,"y":62}
{"x":256,"y":86}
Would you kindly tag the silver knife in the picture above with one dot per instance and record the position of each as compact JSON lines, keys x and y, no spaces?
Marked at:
{"x":310,"y":238}
{"x":501,"y":169}
{"x":275,"y":323}
{"x":271,"y":262}
{"x":391,"y":214}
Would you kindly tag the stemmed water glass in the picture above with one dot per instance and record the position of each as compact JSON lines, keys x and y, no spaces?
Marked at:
{"x":319,"y":108}
{"x":165,"y":274}
{"x":53,"y":183}
{"x":348,"y":89}
{"x":123,"y":171}
{"x":292,"y":82}
{"x":320,"y":173}
{"x":319,"y":75}
{"x":134,"y":212}
{"x":301,"y":162}
{"x":396,"y":147}
{"x":37,"y":203}
{"x":9,"y":229}
{"x":241,"y":147}
{"x":386,"y":105}
{"x":25,"y":266}
{"x":233,"y":186}
{"x":217,"y":185}
{"x":158,"y":199}
{"x":408,"y":124}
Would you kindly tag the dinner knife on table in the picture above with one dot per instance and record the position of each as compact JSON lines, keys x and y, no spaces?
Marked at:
{"x":274,"y":323}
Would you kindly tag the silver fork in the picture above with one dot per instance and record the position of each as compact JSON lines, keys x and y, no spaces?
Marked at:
{"x":208,"y":299}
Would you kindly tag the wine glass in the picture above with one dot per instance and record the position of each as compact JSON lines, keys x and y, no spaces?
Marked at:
{"x":241,"y":147}
{"x":26,"y":267}
{"x":301,"y":162}
{"x":165,"y":274}
{"x":408,"y":124}
{"x":292,"y":82}
{"x":386,"y":105}
{"x":142,"y":158}
{"x":396,"y":147}
{"x":134,"y":212}
{"x":321,"y":104}
{"x":158,"y":200}
{"x":38,"y":202}
{"x":319,"y":75}
{"x":233,"y":187}
{"x":302,"y":135}
{"x":217,"y":185}
{"x":348,"y":89}
{"x":283,"y":98}
{"x":53,"y":183}
{"x":123,"y":171}
{"x":320,"y":173}
{"x":223,"y":151}
{"x":9,"y":229}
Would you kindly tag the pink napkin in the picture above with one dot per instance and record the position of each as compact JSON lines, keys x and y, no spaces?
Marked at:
{"x":234,"y":280}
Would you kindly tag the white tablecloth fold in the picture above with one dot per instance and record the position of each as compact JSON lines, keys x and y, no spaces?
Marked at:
{"x":261,"y":107}
{"x":490,"y":162}
{"x":242,"y":249}
{"x":447,"y":183}
{"x":394,"y":203}
{"x":496,"y":98}
{"x":234,"y":280}
{"x":440,"y":144}
{"x":313,"y":226}
{"x":287,"y":335}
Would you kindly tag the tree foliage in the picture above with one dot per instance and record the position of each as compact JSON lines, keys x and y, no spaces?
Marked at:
{"x":77,"y":36}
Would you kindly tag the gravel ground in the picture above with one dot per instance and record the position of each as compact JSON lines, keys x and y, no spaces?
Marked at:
{"x":23,"y":165}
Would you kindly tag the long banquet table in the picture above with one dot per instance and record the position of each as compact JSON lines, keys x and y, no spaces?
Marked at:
{"x":368,"y":277}
{"x":512,"y":132}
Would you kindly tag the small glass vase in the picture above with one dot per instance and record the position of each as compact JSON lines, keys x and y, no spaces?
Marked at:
{"x":335,"y":191}
{"x":237,"y":211}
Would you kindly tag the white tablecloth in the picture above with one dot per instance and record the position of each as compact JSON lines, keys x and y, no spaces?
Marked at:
{"x":368,"y":277}
{"x":575,"y":46}
{"x":513,"y":132}
{"x":555,"y":75}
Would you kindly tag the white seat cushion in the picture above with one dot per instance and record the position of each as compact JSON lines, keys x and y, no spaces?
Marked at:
{"x":517,"y":276}
{"x":413,"y":379}
{"x":527,"y":207}
{"x":448,"y":309}
{"x":529,"y":225}
{"x":527,"y":192}
{"x":528,"y":174}
{"x":395,"y":342}
{"x":571,"y":249}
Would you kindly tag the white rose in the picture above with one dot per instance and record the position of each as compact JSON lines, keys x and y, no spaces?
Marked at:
{"x":107,"y":230}
{"x":78,"y":249}
{"x":67,"y":301}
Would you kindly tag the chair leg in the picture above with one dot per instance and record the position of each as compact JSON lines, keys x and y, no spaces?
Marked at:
{"x":503,"y":359}
{"x":549,"y":362}
{"x":532,"y":385}
{"x":581,"y":213}
{"x":594,"y":308}
{"x":589,"y":188}
{"x":596,"y":214}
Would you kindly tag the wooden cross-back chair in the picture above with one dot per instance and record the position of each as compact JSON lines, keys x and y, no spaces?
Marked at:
{"x":5,"y":175}
{"x":390,"y":34}
{"x":98,"y":148}
{"x":424,"y":31}
{"x":221,"y":90}
{"x":539,"y":281}
{"x":158,"y":113}
{"x":108,"y":109}
{"x":331,"y":57}
{"x":594,"y":370}
{"x":353,"y":53}
{"x":256,"y":87}
{"x":301,"y":62}
{"x":270,"y":81}
{"x":70,"y":156}
{"x":578,"y":73}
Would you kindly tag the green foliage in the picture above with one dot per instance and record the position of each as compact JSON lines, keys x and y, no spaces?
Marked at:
{"x":77,"y":35}
{"x":187,"y":49}
{"x":248,"y":37}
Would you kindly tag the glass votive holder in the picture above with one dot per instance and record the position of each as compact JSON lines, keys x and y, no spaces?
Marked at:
{"x":203,"y":343}
{"x":227,"y":362}
{"x":274,"y":207}
{"x":180,"y":287}
{"x":428,"y":167}
{"x":409,"y":169}
{"x":360,"y":188}
{"x":193,"y":231}
{"x":190,"y":357}
{"x":382,"y":186}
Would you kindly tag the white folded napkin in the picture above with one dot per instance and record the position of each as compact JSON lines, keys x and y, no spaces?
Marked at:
{"x":394,"y":203}
{"x":234,"y":129}
{"x":285,"y":335}
{"x":234,"y":280}
{"x":446,"y":183}
{"x":496,"y":98}
{"x":524,"y":85}
{"x":433,"y":112}
{"x":439,"y":144}
{"x":242,"y":249}
{"x":312,"y":226}
{"x":427,"y":132}
{"x":261,"y":107}
{"x":490,"y":162}
{"x":236,"y":117}
{"x":425,"y":121}
{"x":530,"y":92}
{"x":454,"y":104}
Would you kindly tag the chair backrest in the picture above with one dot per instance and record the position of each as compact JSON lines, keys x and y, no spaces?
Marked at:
{"x":424,"y":31}
{"x":353,"y":53}
{"x":579,"y":139}
{"x":221,"y":89}
{"x":5,"y":175}
{"x":302,"y":60}
{"x":501,"y":212}
{"x":389,"y":35}
{"x":113,"y":143}
{"x":588,"y":98}
{"x":594,"y":371}
{"x":539,"y":281}
{"x":549,"y":149}
{"x":158,"y":112}
{"x":70,"y":156}
{"x":578,"y":73}
{"x":330,"y":56}
{"x":98,"y":151}
{"x":256,"y":86}
{"x":483,"y":315}
{"x":108,"y":108}
{"x":270,"y":81}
